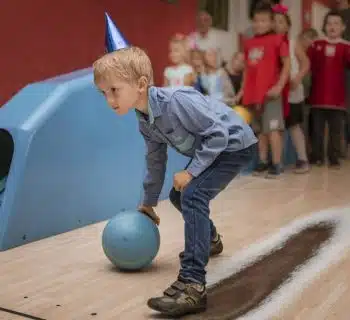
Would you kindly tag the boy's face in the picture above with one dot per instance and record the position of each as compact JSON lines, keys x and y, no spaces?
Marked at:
{"x":120,"y":95}
{"x":334,"y":27}
{"x":262,"y":23}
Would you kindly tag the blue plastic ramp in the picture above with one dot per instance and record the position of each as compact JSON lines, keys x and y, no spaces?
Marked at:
{"x":75,"y":162}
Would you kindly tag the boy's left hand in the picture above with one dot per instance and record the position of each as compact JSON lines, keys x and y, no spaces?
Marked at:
{"x":181,"y":180}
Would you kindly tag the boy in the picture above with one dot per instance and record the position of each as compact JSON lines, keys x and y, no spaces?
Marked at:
{"x":265,"y":77}
{"x":212,"y":134}
{"x":329,"y":58}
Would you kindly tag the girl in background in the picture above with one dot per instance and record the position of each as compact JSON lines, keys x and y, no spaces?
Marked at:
{"x":176,"y":75}
{"x":195,"y":78}
{"x":300,"y":66}
{"x":216,"y":81}
{"x":306,"y":38}
{"x":235,"y":72}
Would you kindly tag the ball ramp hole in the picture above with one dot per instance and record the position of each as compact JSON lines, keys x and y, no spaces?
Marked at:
{"x":6,"y":154}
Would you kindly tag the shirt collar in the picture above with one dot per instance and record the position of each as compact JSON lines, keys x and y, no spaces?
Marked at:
{"x":154,"y":110}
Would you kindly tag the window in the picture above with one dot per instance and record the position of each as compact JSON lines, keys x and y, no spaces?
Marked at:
{"x":218,"y":9}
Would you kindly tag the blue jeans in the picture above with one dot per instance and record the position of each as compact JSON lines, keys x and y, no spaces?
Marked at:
{"x":193,"y":203}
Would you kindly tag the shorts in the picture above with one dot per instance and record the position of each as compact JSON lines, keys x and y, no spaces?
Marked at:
{"x":271,"y":119}
{"x":296,"y":115}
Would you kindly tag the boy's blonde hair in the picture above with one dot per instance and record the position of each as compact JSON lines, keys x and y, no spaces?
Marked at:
{"x":128,"y":64}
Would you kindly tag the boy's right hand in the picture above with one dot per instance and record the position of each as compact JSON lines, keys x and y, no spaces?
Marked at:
{"x":149,"y":211}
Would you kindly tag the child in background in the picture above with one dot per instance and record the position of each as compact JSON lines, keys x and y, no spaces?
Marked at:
{"x":329,"y":58}
{"x":300,"y":65}
{"x":235,"y":71}
{"x":216,"y":139}
{"x":263,"y":82}
{"x":216,"y":81}
{"x":176,"y":75}
{"x":195,"y":78}
{"x":306,"y":38}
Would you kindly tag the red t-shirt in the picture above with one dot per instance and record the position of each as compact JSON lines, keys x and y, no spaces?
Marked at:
{"x":328,"y":61}
{"x":263,"y":65}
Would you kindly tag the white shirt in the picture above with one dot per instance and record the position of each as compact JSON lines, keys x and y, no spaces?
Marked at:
{"x":176,"y":74}
{"x":210,"y":41}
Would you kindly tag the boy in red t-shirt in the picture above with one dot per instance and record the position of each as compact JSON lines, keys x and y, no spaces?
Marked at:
{"x":329,"y":58}
{"x":266,"y":75}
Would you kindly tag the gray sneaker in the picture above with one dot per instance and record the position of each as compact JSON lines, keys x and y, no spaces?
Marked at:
{"x":216,"y":247}
{"x":180,"y":298}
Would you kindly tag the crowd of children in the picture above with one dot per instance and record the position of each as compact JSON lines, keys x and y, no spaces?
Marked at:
{"x":294,"y":85}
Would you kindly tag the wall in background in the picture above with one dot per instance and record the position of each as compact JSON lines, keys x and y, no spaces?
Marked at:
{"x":318,"y":13}
{"x":295,"y":7}
{"x":309,"y":17}
{"x":42,"y":39}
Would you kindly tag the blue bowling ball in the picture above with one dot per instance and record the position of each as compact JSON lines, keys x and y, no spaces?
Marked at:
{"x":131,"y":240}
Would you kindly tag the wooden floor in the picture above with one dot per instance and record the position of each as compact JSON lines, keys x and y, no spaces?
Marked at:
{"x":67,"y":277}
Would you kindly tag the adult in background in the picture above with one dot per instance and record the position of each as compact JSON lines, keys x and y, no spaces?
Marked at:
{"x":206,"y":37}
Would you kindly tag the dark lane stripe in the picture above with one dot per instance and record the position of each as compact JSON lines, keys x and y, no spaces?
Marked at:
{"x":24,"y":315}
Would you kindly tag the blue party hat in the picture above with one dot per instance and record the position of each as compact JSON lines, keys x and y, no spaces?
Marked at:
{"x":114,"y":39}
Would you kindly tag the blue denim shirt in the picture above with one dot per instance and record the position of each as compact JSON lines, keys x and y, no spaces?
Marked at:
{"x":195,"y":125}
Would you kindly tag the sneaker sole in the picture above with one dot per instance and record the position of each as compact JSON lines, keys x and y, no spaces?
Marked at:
{"x":177,"y":313}
{"x":301,"y":171}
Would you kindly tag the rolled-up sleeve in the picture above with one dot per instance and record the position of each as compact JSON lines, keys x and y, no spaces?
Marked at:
{"x":156,"y":159}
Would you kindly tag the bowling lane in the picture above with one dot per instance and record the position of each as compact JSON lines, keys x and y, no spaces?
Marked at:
{"x":69,"y":277}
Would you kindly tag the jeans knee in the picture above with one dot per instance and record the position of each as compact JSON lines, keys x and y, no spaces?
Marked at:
{"x":194,"y":199}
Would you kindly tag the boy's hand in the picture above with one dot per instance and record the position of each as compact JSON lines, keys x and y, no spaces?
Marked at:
{"x":274,"y":92}
{"x":149,"y":211}
{"x":181,"y":180}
